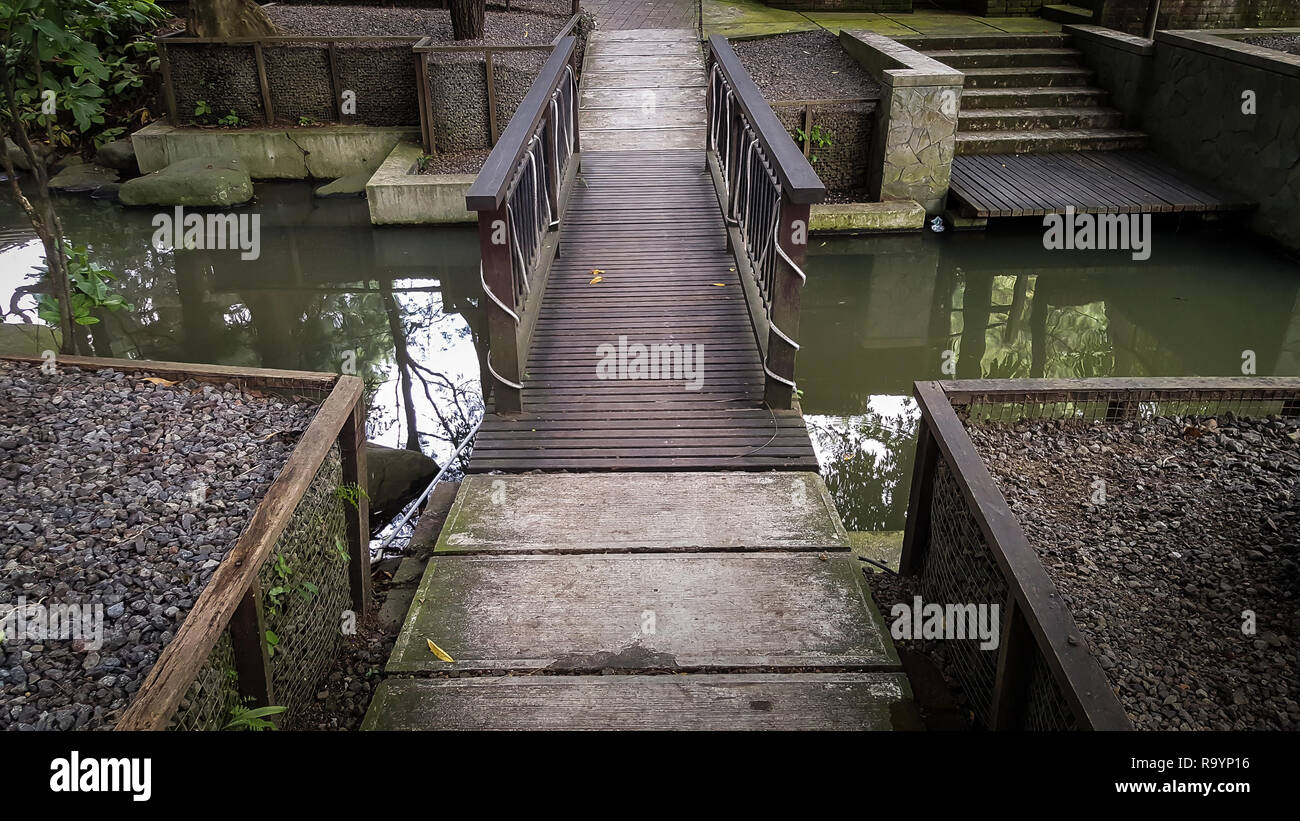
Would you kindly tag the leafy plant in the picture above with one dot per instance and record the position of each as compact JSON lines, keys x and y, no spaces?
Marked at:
{"x":341,"y":548}
{"x":89,"y":291}
{"x":202,"y":110}
{"x":817,"y":137}
{"x":304,"y":121}
{"x":352,"y":493}
{"x":232,"y":120}
{"x":423,"y":163}
{"x":272,"y":641}
{"x":252,"y":718}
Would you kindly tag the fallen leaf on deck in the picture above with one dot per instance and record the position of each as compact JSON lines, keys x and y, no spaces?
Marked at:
{"x":439,"y":652}
{"x":720,"y":284}
{"x":596,"y":279}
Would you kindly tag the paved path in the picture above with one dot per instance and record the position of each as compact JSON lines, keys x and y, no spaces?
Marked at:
{"x":644,"y":14}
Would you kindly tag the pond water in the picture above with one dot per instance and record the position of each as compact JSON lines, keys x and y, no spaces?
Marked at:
{"x":401,"y":306}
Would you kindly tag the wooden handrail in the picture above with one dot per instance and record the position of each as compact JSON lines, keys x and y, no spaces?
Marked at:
{"x":489,"y":188}
{"x":798,"y":180}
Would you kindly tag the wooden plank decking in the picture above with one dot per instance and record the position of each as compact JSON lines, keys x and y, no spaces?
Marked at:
{"x":1097,"y":182}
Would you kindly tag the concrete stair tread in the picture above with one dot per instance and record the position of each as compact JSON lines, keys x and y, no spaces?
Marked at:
{"x":791,"y":701}
{"x":1032,"y":96}
{"x":924,"y":42}
{"x":1047,"y":134}
{"x":656,"y":612}
{"x":1038,"y":111}
{"x":1017,"y":70}
{"x":1048,"y":140}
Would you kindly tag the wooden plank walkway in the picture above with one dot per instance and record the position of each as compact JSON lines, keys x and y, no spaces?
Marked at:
{"x":1092,"y":182}
{"x":648,"y":220}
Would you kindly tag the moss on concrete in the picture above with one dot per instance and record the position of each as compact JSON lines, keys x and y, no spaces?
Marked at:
{"x":896,"y":215}
{"x":884,"y":546}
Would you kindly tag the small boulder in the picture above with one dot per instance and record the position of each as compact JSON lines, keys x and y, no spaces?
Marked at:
{"x":19,"y":159}
{"x":394,"y":477}
{"x":82,"y":178}
{"x":197,"y":183}
{"x":119,"y":154}
{"x":353,"y":185}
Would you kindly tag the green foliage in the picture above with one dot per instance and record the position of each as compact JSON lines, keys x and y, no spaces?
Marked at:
{"x":818,"y":138}
{"x":272,"y":641}
{"x":252,"y":718}
{"x":204,"y":115}
{"x":341,"y":549}
{"x":89,"y":288}
{"x":232,"y":120}
{"x":305,"y":121}
{"x":95,"y":56}
{"x":423,"y":163}
{"x":352,"y":493}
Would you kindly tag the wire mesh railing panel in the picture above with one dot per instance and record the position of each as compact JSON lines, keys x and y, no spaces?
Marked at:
{"x":305,"y":588}
{"x":959,"y":568}
{"x":1045,"y":707}
{"x":214,"y":693}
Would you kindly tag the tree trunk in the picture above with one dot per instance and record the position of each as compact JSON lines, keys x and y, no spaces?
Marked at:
{"x":229,"y":18}
{"x":467,"y":19}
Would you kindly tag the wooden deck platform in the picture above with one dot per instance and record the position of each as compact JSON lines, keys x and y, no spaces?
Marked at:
{"x":650,"y":223}
{"x":1091,"y":182}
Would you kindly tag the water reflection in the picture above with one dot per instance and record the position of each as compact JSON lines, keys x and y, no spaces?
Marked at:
{"x":879,"y":313}
{"x":328,"y":293}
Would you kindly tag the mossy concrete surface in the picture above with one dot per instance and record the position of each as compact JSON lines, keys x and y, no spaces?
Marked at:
{"x":748,"y":18}
{"x":399,"y":196}
{"x":867,"y":217}
{"x":884,"y":546}
{"x":325,"y":152}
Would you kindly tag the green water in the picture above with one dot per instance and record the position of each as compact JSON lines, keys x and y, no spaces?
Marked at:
{"x":329,"y":292}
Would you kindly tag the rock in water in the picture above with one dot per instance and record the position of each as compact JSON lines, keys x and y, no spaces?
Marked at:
{"x":119,"y":154}
{"x":395,"y":477}
{"x":196,"y":182}
{"x":83,"y":178}
{"x":353,"y":185}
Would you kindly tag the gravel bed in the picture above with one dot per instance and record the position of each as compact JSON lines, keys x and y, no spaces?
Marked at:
{"x":1290,"y":43}
{"x":462,"y":162}
{"x":806,"y":66}
{"x":1200,"y":522}
{"x":122,"y":494}
{"x":500,"y":28}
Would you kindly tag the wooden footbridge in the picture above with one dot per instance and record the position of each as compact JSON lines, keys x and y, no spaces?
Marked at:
{"x":643,"y":541}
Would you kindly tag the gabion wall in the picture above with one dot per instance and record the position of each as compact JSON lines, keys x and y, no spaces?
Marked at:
{"x":459,"y":98}
{"x":842,"y":166}
{"x":380,"y":74}
{"x":305,"y":592}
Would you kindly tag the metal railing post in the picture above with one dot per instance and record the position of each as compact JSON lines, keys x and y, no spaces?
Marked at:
{"x":783,"y":333}
{"x":503,"y":317}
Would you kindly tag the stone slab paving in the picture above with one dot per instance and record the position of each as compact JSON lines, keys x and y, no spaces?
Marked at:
{"x":749,"y":18}
{"x":644,"y":14}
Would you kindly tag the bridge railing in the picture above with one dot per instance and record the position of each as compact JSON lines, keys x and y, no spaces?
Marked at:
{"x":519,"y":195}
{"x":766,"y":186}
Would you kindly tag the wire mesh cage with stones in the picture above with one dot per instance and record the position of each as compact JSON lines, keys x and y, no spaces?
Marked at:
{"x":382,"y":78}
{"x":305,"y":587}
{"x":221,"y":78}
{"x":959,"y":568}
{"x":214,"y":693}
{"x":1045,"y":707}
{"x":298,"y":76}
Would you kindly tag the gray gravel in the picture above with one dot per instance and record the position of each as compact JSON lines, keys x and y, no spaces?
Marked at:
{"x":1201,"y":522}
{"x":806,"y":66}
{"x":461,"y":162}
{"x":100,"y":478}
{"x":1290,"y":43}
{"x":499,"y":27}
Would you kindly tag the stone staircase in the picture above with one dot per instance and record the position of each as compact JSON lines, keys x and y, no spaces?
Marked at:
{"x":1027,"y":94}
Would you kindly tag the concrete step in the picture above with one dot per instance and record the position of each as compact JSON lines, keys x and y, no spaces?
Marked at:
{"x":637,"y":512}
{"x":774,"y":701}
{"x":1049,"y":140}
{"x":1026,"y":77}
{"x":984,"y":41}
{"x":1033,"y":119}
{"x":1066,"y":13}
{"x":1033,"y":96}
{"x":644,"y":613}
{"x":1007,"y":58}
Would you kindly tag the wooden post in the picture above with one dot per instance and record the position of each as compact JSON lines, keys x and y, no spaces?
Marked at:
{"x":577,"y":7}
{"x":491,"y":97}
{"x":169,"y":91}
{"x":248,"y":639}
{"x":503,"y":340}
{"x":1015,"y":655}
{"x":268,"y":108}
{"x":792,"y":236}
{"x":422,"y":89}
{"x":352,"y":450}
{"x":916,"y":535}
{"x":807,"y":128}
{"x":334,"y":80}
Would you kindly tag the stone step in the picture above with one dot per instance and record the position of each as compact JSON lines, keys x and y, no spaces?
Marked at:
{"x":984,"y":41}
{"x":1026,"y":77}
{"x":1032,"y":119}
{"x":678,"y":612}
{"x":632,"y":512}
{"x":1040,"y":142}
{"x":791,"y":701}
{"x":1066,"y":13}
{"x":963,"y":59}
{"x":1033,"y":96}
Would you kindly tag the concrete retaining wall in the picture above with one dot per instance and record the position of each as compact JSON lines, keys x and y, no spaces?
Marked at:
{"x":915,"y":133}
{"x":1129,"y":15}
{"x":398,"y":196}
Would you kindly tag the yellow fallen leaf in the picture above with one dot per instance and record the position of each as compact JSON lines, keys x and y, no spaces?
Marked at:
{"x":720,"y":284}
{"x":158,"y":381}
{"x":596,"y":279}
{"x":595,"y":271}
{"x":439,"y":652}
